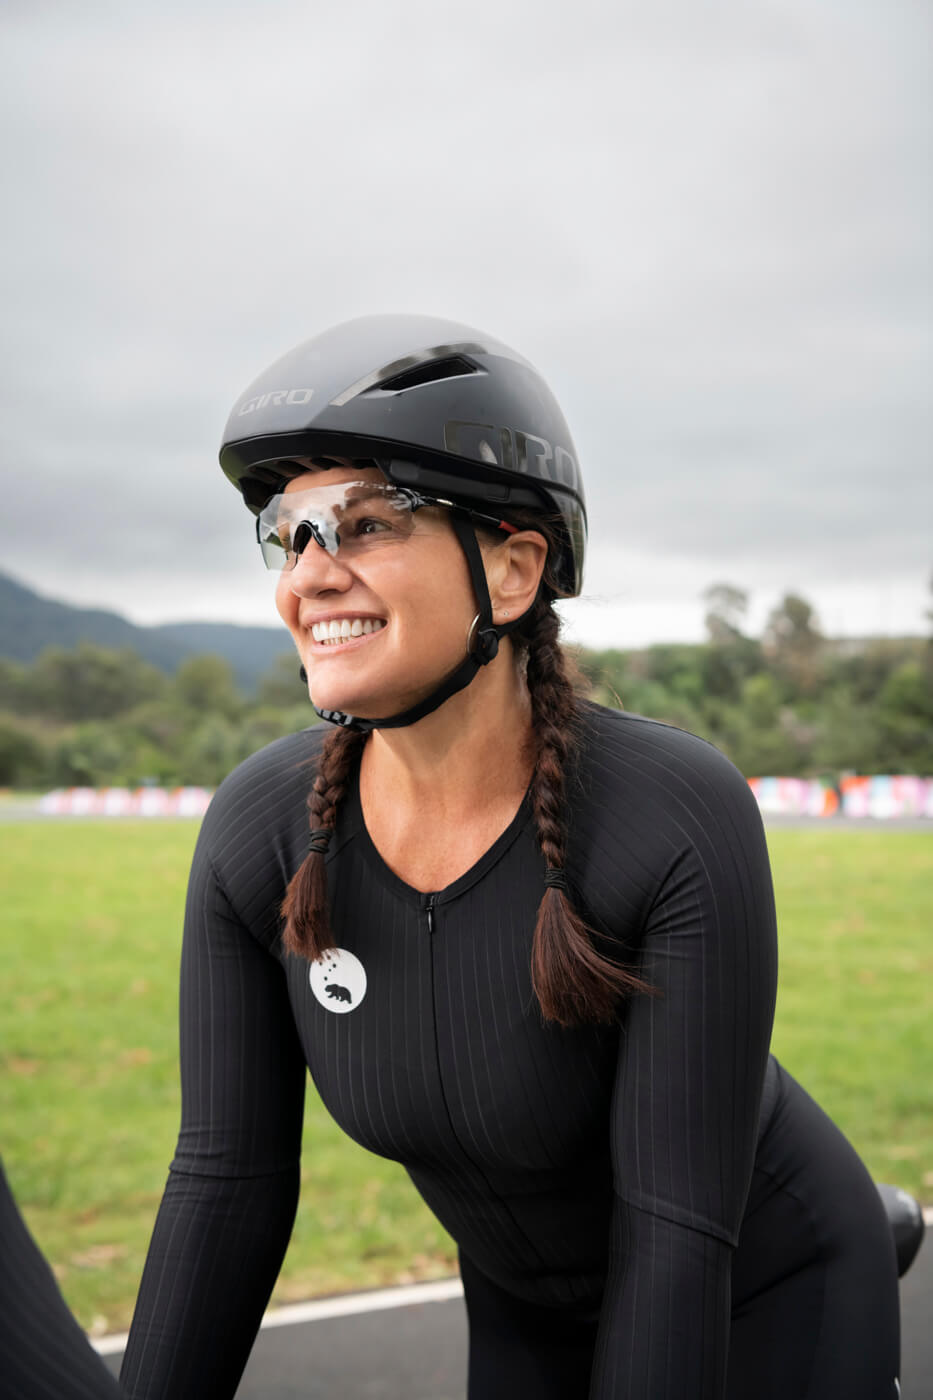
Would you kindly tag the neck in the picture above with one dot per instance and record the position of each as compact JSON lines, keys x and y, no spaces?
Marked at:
{"x":471,"y":749}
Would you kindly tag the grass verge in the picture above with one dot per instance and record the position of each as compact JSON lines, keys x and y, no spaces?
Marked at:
{"x":90,"y":920}
{"x":854,"y":1019}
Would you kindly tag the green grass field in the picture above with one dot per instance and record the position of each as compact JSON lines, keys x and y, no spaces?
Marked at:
{"x":90,"y":920}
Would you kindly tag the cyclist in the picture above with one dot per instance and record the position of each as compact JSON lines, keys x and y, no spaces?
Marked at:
{"x":525,"y":944}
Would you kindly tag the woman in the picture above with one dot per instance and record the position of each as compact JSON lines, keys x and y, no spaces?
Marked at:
{"x":525,"y":945}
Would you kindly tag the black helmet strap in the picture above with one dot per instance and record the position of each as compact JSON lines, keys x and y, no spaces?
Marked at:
{"x":485,"y":636}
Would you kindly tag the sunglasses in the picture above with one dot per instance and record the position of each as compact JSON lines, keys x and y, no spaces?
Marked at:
{"x":349,"y":520}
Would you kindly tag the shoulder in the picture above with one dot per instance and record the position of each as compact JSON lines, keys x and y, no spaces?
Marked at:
{"x":263,"y":799}
{"x":662,"y":815}
{"x":664,"y":771}
{"x":255,"y":831}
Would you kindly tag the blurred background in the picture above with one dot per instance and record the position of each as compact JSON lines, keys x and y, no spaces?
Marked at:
{"x":710,"y":228}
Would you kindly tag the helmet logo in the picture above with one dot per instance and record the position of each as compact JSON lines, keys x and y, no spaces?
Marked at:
{"x":275,"y":398}
{"x":513,"y":450}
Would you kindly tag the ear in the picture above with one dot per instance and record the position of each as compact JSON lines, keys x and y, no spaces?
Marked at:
{"x":513,"y":571}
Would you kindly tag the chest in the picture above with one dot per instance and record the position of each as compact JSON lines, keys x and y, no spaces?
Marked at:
{"x":432,"y":849}
{"x":423,"y":1035}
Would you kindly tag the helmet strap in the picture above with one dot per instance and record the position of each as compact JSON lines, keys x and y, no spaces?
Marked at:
{"x":485,"y":646}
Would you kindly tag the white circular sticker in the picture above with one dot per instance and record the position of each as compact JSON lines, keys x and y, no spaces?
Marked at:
{"x":338,"y":980}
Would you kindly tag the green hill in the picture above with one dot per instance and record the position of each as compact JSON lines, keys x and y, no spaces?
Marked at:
{"x":29,"y":623}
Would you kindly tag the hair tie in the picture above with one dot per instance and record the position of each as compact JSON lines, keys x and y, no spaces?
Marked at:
{"x":319,"y":840}
{"x":555,"y":878}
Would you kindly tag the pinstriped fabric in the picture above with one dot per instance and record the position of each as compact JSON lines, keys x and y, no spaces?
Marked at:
{"x":599,"y":1168}
{"x":678,"y":1351}
{"x":229,"y":1204}
{"x":44,"y":1355}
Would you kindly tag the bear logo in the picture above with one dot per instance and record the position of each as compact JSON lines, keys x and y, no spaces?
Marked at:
{"x":338,"y":980}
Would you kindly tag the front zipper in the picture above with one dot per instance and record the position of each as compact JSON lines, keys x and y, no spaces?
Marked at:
{"x":429,"y":910}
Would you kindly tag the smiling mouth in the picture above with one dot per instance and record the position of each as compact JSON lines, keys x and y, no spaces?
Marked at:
{"x":337,"y":631}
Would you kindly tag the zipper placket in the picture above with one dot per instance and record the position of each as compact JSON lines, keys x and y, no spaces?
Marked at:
{"x":429,"y":911}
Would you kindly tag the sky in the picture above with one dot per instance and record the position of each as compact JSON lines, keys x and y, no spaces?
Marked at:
{"x":708,"y":226}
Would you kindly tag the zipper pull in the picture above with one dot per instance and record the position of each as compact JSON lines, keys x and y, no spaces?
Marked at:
{"x":429,"y":910}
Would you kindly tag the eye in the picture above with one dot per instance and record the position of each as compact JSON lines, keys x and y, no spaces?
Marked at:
{"x":371,"y":525}
{"x":361,"y":523}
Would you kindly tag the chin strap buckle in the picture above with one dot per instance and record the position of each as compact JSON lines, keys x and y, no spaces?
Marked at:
{"x":487,"y":645}
{"x":344,"y":720}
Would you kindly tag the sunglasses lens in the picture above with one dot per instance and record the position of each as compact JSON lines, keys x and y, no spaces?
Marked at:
{"x":347,"y":520}
{"x":273,"y":554}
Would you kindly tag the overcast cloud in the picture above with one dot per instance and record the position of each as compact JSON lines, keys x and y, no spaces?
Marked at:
{"x":709,"y":226}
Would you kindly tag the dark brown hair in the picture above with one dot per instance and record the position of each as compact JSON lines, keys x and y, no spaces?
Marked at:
{"x":575,"y":983}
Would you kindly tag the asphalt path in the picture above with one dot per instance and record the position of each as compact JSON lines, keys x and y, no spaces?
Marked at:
{"x":417,"y":1351}
{"x":26,"y":810}
{"x":798,"y":823}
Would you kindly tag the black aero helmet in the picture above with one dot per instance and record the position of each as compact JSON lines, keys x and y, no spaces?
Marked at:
{"x":441,"y":407}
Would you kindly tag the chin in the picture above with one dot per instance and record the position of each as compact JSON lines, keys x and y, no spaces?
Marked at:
{"x":369,"y":691}
{"x":362,"y":701}
{"x":330,"y":693}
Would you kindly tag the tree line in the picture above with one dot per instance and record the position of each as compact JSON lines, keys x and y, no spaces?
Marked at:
{"x":790,"y":702}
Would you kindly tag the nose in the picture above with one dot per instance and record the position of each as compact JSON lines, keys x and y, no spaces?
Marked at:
{"x":305,"y":533}
{"x":318,"y":571}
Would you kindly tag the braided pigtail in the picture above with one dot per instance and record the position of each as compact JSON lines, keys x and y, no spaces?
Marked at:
{"x":574,"y":983}
{"x":307,"y":919}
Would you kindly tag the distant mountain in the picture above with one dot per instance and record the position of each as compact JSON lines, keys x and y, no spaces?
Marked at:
{"x":29,"y":623}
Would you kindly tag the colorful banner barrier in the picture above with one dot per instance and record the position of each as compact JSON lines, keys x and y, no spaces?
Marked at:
{"x":126,"y":802}
{"x":877,"y":797}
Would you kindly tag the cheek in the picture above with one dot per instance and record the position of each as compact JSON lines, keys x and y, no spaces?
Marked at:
{"x":436,"y":602}
{"x":285,"y":601}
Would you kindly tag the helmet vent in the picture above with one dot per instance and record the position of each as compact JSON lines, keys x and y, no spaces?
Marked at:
{"x":454,"y":367}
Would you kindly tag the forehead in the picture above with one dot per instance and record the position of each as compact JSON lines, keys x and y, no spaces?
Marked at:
{"x":333,"y":476}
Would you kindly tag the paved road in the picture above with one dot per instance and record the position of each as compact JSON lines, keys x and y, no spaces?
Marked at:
{"x":798,"y":823}
{"x":418,"y":1352}
{"x":13,"y":810}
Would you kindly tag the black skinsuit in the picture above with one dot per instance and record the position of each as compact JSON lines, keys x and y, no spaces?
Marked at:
{"x":44,"y":1355}
{"x":617,"y":1194}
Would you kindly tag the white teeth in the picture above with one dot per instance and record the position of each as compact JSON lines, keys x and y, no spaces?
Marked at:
{"x":338,"y":630}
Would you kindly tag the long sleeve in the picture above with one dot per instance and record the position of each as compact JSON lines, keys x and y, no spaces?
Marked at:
{"x":44,"y":1355}
{"x":228,"y":1209}
{"x":688,"y":1085}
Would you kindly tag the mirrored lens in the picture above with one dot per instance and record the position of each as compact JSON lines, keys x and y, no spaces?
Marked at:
{"x":346,"y":520}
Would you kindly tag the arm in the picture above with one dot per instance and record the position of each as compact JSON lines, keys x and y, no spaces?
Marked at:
{"x":43,"y":1352}
{"x":688,"y":1088}
{"x":227,"y":1213}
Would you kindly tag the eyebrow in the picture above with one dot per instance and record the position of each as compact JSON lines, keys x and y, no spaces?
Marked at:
{"x":368,"y":488}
